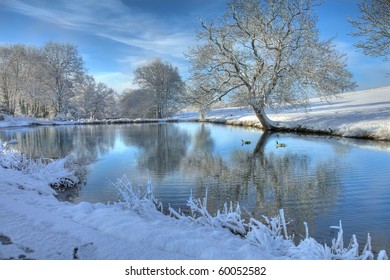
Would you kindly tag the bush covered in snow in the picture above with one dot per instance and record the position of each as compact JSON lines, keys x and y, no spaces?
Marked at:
{"x":134,"y":198}
{"x":271,"y":235}
{"x":56,"y":173}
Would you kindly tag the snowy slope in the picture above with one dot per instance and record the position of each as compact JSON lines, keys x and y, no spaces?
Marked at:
{"x":355,"y":114}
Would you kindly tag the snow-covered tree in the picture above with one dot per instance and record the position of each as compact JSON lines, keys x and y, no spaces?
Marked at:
{"x":21,"y":91}
{"x":164,"y":82}
{"x":137,"y":103}
{"x":270,"y":52}
{"x":64,"y":68}
{"x":92,"y":99}
{"x":373,"y":26}
{"x":12,"y":74}
{"x":51,"y":80}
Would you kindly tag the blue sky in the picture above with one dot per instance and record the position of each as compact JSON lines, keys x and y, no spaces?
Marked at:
{"x":115,"y":36}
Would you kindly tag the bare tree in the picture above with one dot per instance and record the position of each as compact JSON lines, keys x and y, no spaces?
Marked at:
{"x":164,"y":82}
{"x":50,"y":80}
{"x":13,"y":59}
{"x":202,"y":93}
{"x":64,"y":68}
{"x":5,"y":79}
{"x":33,"y":98}
{"x":137,"y":103}
{"x":373,"y":25}
{"x":270,"y":52}
{"x":21,"y":87}
{"x":92,"y":99}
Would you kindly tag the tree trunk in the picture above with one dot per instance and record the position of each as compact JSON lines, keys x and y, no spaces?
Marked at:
{"x":266,"y":123}
{"x":202,"y":114}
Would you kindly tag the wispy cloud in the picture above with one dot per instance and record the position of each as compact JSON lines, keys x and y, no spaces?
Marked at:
{"x":109,"y":19}
{"x":142,"y":32}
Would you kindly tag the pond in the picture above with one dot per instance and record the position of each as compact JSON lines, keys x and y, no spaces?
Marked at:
{"x":315,"y":179}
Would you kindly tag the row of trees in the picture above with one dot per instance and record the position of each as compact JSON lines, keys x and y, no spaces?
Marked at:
{"x":50,"y":81}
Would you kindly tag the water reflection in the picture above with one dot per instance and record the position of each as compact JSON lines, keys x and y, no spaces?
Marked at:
{"x":162,"y":146}
{"x":315,"y":179}
{"x":263,"y":181}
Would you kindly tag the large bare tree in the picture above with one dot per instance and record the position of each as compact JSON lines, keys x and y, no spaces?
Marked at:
{"x":373,"y":26}
{"x":269,"y":52}
{"x":164,"y":82}
{"x":64,"y":68}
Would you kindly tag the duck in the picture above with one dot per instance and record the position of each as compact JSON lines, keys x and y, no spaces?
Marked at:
{"x":281,"y":145}
{"x":245,"y":142}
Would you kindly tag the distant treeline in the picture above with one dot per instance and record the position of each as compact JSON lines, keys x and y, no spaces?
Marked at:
{"x":51,"y":81}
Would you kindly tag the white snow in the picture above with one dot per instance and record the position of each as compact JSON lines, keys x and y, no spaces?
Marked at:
{"x":35,"y":225}
{"x":363,"y":114}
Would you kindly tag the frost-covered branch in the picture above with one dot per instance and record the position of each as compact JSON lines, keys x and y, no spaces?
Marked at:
{"x":55,"y":173}
{"x":270,"y":236}
{"x":134,"y":198}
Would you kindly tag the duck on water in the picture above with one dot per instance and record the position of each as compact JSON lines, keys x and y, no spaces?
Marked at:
{"x":280,"y":145}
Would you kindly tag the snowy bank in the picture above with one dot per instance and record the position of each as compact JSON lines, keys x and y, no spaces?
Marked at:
{"x":360,"y":114}
{"x":35,"y":225}
{"x":19,"y":121}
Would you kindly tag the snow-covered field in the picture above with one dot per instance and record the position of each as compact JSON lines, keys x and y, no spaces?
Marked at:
{"x":363,"y":114}
{"x":35,"y":225}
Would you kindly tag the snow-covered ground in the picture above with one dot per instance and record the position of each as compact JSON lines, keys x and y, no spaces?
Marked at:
{"x":363,"y":114}
{"x":35,"y":225}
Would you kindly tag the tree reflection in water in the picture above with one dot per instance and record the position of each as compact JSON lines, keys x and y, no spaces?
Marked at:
{"x":162,"y":146}
{"x":83,"y":143}
{"x":263,"y":182}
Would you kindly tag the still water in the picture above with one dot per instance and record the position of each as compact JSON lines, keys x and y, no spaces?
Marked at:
{"x":318,"y":180}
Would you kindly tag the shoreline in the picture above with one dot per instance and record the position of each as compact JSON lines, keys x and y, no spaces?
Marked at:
{"x":359,"y":115}
{"x":248,"y":123}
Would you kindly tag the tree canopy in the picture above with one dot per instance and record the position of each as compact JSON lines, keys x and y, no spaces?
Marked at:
{"x":165,"y":84}
{"x":373,"y":27}
{"x":50,"y":81}
{"x":269,"y":53}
